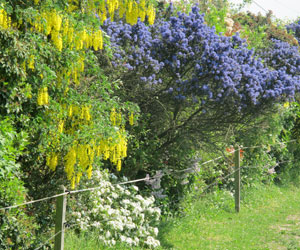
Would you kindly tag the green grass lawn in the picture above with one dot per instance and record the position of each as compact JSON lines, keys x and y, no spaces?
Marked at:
{"x":269,"y":219}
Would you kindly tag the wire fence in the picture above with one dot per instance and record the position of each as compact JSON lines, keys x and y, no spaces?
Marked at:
{"x":148,"y":179}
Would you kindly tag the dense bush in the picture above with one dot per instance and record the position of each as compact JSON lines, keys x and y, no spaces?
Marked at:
{"x":14,"y":224}
{"x":295,"y":28}
{"x":117,"y":212}
{"x":191,"y":84}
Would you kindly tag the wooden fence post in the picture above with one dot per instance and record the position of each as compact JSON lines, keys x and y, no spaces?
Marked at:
{"x":61,"y":203}
{"x":237,"y":179}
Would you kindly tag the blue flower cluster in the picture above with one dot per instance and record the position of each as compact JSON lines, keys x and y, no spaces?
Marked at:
{"x":184,"y":58}
{"x":295,"y":28}
{"x":282,"y":56}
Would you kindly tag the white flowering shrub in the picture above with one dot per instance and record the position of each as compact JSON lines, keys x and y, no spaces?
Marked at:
{"x":117,"y":213}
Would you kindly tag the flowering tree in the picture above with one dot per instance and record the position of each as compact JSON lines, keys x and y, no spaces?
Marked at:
{"x":53,"y":89}
{"x":193,"y":82}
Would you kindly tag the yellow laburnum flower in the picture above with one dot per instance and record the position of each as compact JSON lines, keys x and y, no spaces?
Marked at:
{"x":113,"y":157}
{"x":102,"y":11}
{"x":100,"y":37}
{"x":78,"y":176}
{"x":119,"y":119}
{"x":135,"y":13}
{"x":113,"y":117}
{"x":121,"y":9}
{"x":31,"y":61}
{"x":65,"y":28}
{"x":151,"y":14}
{"x":70,"y":161}
{"x":70,"y":35}
{"x":43,"y":97}
{"x":81,"y":65}
{"x":57,"y":40}
{"x":61,"y":126}
{"x":4,"y":22}
{"x":70,"y":111}
{"x":86,"y":113}
{"x":119,"y":165}
{"x":129,"y":6}
{"x":89,"y":172}
{"x":52,"y":160}
{"x":131,"y":121}
{"x":98,"y":40}
{"x":142,"y":6}
{"x":75,"y":77}
{"x":106,"y":152}
{"x":1,"y":17}
{"x":82,"y":156}
{"x":57,"y":20}
{"x":73,"y":182}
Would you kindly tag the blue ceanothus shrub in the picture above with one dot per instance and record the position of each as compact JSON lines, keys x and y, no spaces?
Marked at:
{"x":194,"y":88}
{"x":282,"y":56}
{"x":295,"y":28}
{"x":187,"y":60}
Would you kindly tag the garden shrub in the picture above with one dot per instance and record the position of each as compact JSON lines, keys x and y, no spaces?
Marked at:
{"x":117,"y":213}
{"x":192,"y":86}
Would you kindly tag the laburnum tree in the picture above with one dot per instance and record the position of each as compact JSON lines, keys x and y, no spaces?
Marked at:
{"x":192,"y":84}
{"x":53,"y":89}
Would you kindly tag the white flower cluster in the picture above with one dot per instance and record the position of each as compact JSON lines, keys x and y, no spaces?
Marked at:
{"x":118,"y":213}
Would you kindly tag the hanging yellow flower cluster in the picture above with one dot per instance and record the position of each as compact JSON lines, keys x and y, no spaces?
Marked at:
{"x":72,"y":72}
{"x":94,"y":39}
{"x":30,"y":62}
{"x":114,"y":151}
{"x":43,"y":96}
{"x":151,"y":14}
{"x":52,"y":160}
{"x":75,"y":113}
{"x":5,"y":20}
{"x":63,"y":32}
{"x":131,"y":120}
{"x":134,"y":10}
{"x":80,"y":157}
{"x":131,"y":9}
{"x":115,"y":117}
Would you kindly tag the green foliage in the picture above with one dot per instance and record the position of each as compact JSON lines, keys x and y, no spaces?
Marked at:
{"x":16,"y":227}
{"x":216,"y":17}
{"x":48,"y":66}
{"x":258,"y":30}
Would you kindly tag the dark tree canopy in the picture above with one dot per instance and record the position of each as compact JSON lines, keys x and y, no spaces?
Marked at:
{"x":194,"y":82}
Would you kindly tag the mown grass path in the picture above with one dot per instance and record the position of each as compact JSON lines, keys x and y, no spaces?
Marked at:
{"x":269,"y":219}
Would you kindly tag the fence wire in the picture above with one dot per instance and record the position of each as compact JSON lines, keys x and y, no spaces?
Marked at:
{"x":147,"y":178}
{"x":72,"y":192}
